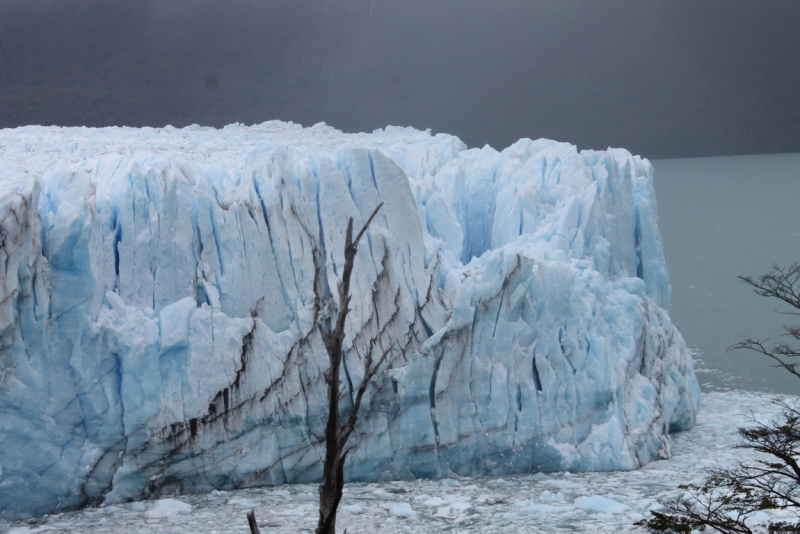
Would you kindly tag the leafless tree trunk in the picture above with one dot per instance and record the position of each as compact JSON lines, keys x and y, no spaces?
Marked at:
{"x":251,"y":520}
{"x":336,"y":436}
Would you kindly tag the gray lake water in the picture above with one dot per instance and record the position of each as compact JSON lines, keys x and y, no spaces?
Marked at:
{"x":719,"y":218}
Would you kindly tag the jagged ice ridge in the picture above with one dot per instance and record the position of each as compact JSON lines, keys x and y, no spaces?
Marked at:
{"x":159,"y":291}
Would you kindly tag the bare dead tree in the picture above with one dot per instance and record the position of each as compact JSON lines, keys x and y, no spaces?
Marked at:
{"x":729,"y":497}
{"x":336,"y":434}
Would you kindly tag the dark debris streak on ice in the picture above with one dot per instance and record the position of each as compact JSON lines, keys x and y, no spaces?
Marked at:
{"x":555,"y":502}
{"x":149,"y":264}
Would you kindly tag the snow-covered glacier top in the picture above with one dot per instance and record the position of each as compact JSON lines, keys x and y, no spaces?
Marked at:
{"x":159,"y":290}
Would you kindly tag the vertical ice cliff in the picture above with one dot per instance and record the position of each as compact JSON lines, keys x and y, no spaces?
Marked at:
{"x":159,"y":290}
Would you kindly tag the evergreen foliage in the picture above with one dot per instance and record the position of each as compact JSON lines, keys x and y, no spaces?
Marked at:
{"x":728,"y":498}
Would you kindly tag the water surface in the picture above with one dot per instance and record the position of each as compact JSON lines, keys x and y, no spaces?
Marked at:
{"x":719,"y":218}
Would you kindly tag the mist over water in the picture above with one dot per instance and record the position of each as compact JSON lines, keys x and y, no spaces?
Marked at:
{"x":719,"y":218}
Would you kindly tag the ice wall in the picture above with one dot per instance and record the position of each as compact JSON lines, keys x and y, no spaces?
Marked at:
{"x":159,"y":290}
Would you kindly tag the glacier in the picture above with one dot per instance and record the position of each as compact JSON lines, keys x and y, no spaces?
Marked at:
{"x":160,"y":287}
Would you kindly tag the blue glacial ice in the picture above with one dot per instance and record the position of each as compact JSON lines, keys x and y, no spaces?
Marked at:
{"x":159,"y":290}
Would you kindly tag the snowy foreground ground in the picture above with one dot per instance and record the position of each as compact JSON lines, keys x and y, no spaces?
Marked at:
{"x":558,"y":502}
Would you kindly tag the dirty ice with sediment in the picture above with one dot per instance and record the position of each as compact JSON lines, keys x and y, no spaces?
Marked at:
{"x":589,"y":502}
{"x":160,"y":291}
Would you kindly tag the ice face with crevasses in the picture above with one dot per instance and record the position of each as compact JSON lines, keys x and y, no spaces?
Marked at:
{"x":159,"y":291}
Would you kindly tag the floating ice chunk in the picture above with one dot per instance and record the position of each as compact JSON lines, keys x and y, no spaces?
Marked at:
{"x":444,"y":511}
{"x":548,"y":496}
{"x":493,"y":499}
{"x":597,"y":503}
{"x":352,"y":508}
{"x":244,"y":502}
{"x":453,"y":510}
{"x":546,"y":508}
{"x":167,"y":508}
{"x":402,"y":509}
{"x":300,"y":511}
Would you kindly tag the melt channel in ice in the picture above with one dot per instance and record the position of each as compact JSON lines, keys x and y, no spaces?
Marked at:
{"x":159,"y":291}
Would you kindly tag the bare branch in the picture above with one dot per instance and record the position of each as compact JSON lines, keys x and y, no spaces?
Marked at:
{"x":775,"y":353}
{"x":781,"y":283}
{"x":369,"y":372}
{"x":361,"y":233}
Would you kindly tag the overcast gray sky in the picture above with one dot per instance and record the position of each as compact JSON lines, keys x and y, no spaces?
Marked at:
{"x":671,"y":78}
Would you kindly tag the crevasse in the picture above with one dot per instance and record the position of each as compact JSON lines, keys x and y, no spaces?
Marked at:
{"x":160,"y":289}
